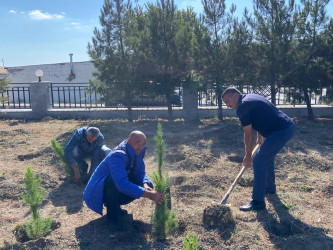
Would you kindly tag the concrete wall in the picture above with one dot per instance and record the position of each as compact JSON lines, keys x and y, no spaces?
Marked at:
{"x":145,"y":113}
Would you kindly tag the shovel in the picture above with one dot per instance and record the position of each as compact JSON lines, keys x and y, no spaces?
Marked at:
{"x":218,"y":214}
{"x":226,"y":196}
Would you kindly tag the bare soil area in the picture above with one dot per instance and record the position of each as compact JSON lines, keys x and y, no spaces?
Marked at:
{"x":202,"y":160}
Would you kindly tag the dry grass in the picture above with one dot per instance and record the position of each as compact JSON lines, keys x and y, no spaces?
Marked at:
{"x":202,"y":160}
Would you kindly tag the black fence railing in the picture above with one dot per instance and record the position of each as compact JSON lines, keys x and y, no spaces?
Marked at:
{"x":284,"y":95}
{"x":83,"y":96}
{"x":17,"y":97}
{"x":78,"y":96}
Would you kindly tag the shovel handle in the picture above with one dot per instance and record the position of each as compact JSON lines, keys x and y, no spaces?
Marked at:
{"x":226,"y":196}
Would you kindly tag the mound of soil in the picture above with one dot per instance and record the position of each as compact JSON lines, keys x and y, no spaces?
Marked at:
{"x":217,"y":216}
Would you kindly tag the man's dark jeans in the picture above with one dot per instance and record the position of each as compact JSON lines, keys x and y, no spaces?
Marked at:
{"x":96,"y":157}
{"x":113,"y":199}
{"x":263,"y":161}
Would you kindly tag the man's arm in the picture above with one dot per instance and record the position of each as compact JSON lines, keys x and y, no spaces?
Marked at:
{"x":260,"y":139}
{"x":248,"y":142}
{"x":69,"y":155}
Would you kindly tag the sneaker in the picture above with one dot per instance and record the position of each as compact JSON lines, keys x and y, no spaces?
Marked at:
{"x":253,"y":205}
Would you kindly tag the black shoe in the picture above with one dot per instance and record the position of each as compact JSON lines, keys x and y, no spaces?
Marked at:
{"x":116,"y":225}
{"x":253,"y":205}
{"x":270,"y":191}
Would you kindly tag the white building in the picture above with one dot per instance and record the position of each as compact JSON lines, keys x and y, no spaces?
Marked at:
{"x":70,"y":72}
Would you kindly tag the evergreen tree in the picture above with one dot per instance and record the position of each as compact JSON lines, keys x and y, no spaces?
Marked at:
{"x":112,"y":55}
{"x":34,"y":195}
{"x":274,"y":30}
{"x":312,"y":27}
{"x":61,"y":154}
{"x":163,"y":27}
{"x":4,"y":82}
{"x":217,"y":20}
{"x":164,"y":220}
{"x":242,"y":66}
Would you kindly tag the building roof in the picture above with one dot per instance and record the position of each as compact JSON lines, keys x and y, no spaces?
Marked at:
{"x":54,"y":73}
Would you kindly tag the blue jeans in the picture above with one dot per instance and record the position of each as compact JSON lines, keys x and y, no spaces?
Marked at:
{"x":263,"y":161}
{"x":95,"y":156}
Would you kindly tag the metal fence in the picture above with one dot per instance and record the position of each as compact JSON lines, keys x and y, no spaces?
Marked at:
{"x":83,"y":96}
{"x":15,"y":97}
{"x":284,"y":95}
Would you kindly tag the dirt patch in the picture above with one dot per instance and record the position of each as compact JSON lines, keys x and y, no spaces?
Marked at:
{"x":202,"y":160}
{"x":218,"y":216}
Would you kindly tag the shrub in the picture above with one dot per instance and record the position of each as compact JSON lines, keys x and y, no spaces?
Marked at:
{"x":164,"y":221}
{"x":34,"y":195}
{"x":191,"y":242}
{"x":61,"y":154}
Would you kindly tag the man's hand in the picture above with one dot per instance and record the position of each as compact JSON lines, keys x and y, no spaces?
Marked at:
{"x":153,"y":195}
{"x":247,"y":161}
{"x":157,"y":197}
{"x":77,"y":174}
{"x":146,"y":186}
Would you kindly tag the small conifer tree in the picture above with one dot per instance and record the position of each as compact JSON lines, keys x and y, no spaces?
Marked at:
{"x":191,"y":242}
{"x":4,"y":82}
{"x":163,"y":220}
{"x":34,"y":195}
{"x":61,"y":154}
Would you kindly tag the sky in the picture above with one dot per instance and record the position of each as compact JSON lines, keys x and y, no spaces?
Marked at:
{"x":46,"y":31}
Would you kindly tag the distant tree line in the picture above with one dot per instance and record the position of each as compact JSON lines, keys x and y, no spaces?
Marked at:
{"x":277,"y":43}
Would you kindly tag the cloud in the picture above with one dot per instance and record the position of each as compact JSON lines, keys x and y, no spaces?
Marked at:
{"x":12,"y":11}
{"x":39,"y":15}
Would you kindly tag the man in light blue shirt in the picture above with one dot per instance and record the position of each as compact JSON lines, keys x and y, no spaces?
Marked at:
{"x":87,"y":142}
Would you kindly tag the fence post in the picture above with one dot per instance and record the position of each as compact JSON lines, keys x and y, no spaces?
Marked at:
{"x":190,"y":103}
{"x":40,"y":98}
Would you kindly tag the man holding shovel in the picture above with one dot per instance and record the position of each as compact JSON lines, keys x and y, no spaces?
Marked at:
{"x":255,"y":112}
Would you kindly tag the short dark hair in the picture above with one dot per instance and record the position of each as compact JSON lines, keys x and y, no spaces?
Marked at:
{"x":93,"y":132}
{"x":230,"y":90}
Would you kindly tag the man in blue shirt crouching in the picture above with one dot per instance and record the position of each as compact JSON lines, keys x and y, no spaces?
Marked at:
{"x":87,"y":142}
{"x":119,"y":179}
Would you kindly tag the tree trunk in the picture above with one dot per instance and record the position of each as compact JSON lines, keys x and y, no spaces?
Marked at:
{"x":169,"y":104}
{"x":273,"y":94}
{"x":219,"y":103}
{"x":129,"y":106}
{"x":308,"y":104}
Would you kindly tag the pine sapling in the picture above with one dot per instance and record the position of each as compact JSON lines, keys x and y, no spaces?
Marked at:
{"x":61,"y":154}
{"x":163,"y":220}
{"x":191,"y":242}
{"x":34,"y":195}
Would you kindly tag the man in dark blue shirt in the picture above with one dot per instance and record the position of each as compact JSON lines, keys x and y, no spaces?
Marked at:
{"x":255,"y":112}
{"x":87,"y":142}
